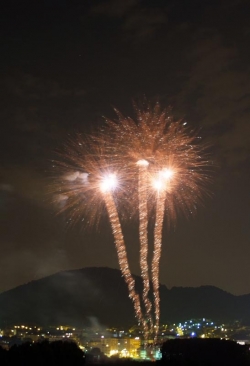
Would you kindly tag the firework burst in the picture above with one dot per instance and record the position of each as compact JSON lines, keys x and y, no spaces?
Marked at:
{"x":150,"y":164}
{"x":165,"y":158}
{"x":86,"y":184}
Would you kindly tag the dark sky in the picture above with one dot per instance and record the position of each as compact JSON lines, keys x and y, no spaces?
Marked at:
{"x":64,"y":64}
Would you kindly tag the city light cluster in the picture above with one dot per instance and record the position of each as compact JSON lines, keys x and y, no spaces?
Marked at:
{"x":124,"y":342}
{"x":149,"y":168}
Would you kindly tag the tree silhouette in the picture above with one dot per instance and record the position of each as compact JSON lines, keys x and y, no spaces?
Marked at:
{"x":204,"y":352}
{"x":56,"y":353}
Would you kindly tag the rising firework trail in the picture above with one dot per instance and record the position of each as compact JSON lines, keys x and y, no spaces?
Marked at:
{"x":143,"y":235}
{"x":137,"y":144}
{"x":86,"y":180}
{"x":161,"y":184}
{"x":152,"y":167}
{"x":178,"y":187}
{"x":108,"y":184}
{"x":155,"y":144}
{"x":156,"y":258}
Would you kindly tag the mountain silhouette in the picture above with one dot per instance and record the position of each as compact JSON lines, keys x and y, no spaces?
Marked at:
{"x":80,"y":296}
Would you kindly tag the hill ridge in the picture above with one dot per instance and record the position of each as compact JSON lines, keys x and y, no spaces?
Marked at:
{"x":79,"y":295}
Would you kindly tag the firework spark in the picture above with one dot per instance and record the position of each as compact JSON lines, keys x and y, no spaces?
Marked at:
{"x":107,"y":185}
{"x":139,"y":144}
{"x":177,"y":187}
{"x":161,"y":184}
{"x":95,"y":182}
{"x":152,"y":143}
{"x":143,"y":235}
{"x":150,"y":164}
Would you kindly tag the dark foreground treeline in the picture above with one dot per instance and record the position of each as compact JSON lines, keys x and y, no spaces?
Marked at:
{"x":204,"y":352}
{"x":57,"y":353}
{"x":176,"y":352}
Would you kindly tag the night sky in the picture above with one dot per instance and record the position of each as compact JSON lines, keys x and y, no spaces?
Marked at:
{"x":66,"y":63}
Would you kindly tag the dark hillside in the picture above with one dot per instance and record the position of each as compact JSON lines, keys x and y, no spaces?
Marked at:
{"x":79,"y":297}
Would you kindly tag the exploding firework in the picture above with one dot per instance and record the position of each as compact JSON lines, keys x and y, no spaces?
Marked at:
{"x":152,"y":166}
{"x":139,"y":143}
{"x":86,"y":182}
{"x":166,"y":158}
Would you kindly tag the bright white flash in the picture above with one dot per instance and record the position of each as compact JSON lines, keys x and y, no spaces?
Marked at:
{"x":158,"y":184}
{"x":142,"y":162}
{"x":163,"y":177}
{"x":167,"y":173}
{"x":108,"y":183}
